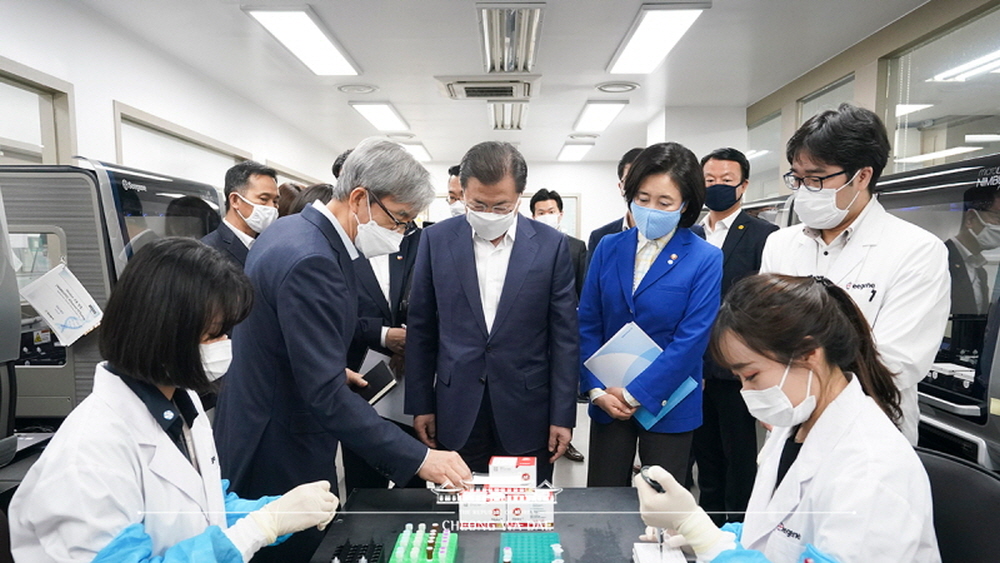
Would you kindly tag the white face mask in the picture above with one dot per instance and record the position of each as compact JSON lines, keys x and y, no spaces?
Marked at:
{"x":818,"y":210}
{"x":490,"y":226}
{"x":551,"y":219}
{"x":989,"y":237}
{"x":260,"y":218}
{"x":216,"y":357}
{"x":457,"y":208}
{"x":375,"y":240}
{"x":772,"y":406}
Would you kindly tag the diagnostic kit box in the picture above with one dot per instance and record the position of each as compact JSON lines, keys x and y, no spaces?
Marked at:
{"x":510,"y":501}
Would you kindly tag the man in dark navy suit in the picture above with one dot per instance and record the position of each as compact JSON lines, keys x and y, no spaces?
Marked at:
{"x":286,"y":404}
{"x":492,"y":343}
{"x":626,"y":222}
{"x":725,"y":446}
{"x":251,"y":206}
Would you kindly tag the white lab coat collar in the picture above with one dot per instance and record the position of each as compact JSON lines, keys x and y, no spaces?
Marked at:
{"x":866,"y":232}
{"x":767,"y":513}
{"x":165,"y":458}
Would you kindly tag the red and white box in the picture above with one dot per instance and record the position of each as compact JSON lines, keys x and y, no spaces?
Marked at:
{"x":515,"y":471}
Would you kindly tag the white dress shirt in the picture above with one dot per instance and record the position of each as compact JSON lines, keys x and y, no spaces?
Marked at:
{"x":827,"y":254}
{"x":491,"y":269}
{"x":246,"y":239}
{"x":717,"y":236}
{"x":380,"y":265}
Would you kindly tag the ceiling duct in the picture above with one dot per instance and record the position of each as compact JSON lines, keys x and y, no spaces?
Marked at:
{"x":509,"y":34}
{"x":507,"y":115}
{"x":479,"y":88}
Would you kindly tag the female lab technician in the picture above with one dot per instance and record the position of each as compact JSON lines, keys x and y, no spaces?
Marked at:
{"x":837,"y":480}
{"x":132,"y":474}
{"x":666,"y":280}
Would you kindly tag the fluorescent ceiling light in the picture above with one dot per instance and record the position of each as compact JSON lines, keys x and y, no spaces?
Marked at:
{"x":382,"y":115}
{"x":965,"y":71}
{"x":507,"y":116}
{"x":906,"y":109}
{"x":754,"y":153}
{"x":990,"y":138}
{"x":597,"y":115}
{"x":299,"y":31}
{"x":656,"y":30}
{"x":937,"y":154}
{"x":573,"y":152}
{"x":510,"y":36}
{"x":418,"y":151}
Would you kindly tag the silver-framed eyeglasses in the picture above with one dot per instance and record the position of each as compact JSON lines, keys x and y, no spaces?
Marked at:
{"x":811,"y":183}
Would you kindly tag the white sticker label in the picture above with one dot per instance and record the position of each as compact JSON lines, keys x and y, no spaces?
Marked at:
{"x":64,"y":303}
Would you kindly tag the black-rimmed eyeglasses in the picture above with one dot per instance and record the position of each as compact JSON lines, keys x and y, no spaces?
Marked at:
{"x":811,"y":183}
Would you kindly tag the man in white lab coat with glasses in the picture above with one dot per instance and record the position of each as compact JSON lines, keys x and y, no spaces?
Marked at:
{"x":896,"y":272}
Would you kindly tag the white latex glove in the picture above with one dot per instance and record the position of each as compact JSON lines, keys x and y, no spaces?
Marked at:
{"x":303,"y":507}
{"x":675,"y":509}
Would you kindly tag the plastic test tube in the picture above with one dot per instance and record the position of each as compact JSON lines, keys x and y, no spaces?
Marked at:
{"x":508,"y":555}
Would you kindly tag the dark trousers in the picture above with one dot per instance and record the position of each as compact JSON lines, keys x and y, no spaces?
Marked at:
{"x":613,"y":446}
{"x":359,"y":475}
{"x":484,"y":443}
{"x":725,"y":449}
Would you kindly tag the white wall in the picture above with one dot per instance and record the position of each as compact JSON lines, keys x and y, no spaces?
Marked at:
{"x":105,"y":64}
{"x":701,"y":129}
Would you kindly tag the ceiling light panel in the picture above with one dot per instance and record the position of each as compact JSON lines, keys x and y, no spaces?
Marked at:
{"x":597,"y":115}
{"x":964,"y":71}
{"x":299,"y":31}
{"x":907,"y":109}
{"x":983,"y":138}
{"x":509,"y":34}
{"x":574,"y":152}
{"x":655,"y":31}
{"x":507,"y":116}
{"x":382,"y":115}
{"x":418,"y":151}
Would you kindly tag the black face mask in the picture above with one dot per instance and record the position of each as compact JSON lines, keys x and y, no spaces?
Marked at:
{"x":720,"y":197}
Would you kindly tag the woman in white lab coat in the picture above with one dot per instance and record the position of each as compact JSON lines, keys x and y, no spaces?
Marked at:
{"x":837,"y":481}
{"x":132,"y":474}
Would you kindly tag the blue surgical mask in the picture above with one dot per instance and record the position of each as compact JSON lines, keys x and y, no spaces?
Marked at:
{"x":655,"y":223}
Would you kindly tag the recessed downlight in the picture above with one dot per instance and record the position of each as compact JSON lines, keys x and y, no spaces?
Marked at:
{"x":401,"y":136}
{"x":357,"y":88}
{"x":617,"y":87}
{"x":583,"y":136}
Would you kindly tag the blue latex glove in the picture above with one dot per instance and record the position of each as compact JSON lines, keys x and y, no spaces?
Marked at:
{"x":134,"y":545}
{"x":741,"y":555}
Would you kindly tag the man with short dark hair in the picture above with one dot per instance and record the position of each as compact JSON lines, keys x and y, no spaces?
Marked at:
{"x":338,"y":164}
{"x":251,"y":206}
{"x":456,"y":205}
{"x":725,"y":445}
{"x":896,"y":272}
{"x":547,"y":207}
{"x":492,"y":346}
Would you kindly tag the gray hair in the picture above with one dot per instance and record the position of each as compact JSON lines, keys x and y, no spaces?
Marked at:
{"x":386,"y":169}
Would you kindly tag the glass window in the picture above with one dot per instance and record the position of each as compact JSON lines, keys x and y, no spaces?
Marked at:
{"x":766,"y":154}
{"x":943,"y":97}
{"x":20,"y":124}
{"x":827,"y":98}
{"x":148,"y":149}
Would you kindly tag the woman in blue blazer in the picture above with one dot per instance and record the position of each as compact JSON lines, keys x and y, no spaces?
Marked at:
{"x":667,"y":280}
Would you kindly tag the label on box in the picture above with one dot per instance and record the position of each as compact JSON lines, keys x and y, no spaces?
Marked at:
{"x":519,"y":471}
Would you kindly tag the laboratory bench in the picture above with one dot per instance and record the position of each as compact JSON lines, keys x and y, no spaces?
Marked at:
{"x":595,"y":525}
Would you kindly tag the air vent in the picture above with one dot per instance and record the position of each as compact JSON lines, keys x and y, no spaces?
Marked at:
{"x":520,"y":87}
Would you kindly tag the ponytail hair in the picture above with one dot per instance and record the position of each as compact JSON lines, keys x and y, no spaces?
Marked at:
{"x":785,"y":318}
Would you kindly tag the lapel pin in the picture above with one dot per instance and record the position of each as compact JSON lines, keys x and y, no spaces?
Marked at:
{"x":670,"y":261}
{"x":673,"y":257}
{"x":740,"y":227}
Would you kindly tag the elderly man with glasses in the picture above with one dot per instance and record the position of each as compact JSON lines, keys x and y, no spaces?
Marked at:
{"x":896,"y":272}
{"x":286,"y":403}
